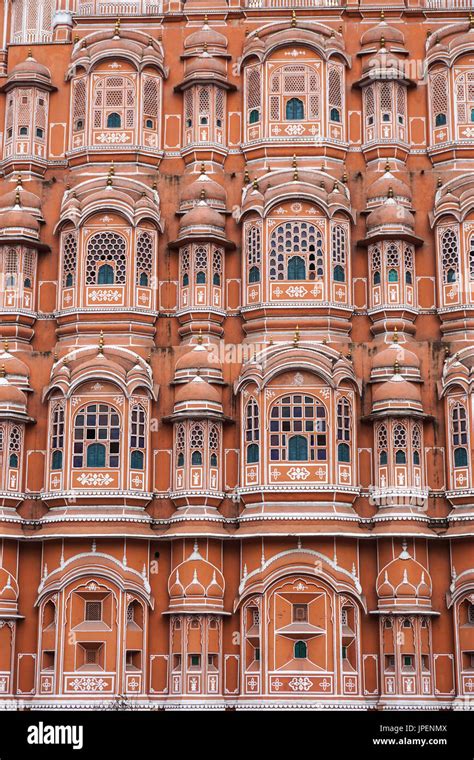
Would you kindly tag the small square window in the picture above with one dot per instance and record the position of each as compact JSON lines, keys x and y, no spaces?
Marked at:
{"x":195,"y":660}
{"x":300,"y":613}
{"x":93,"y":611}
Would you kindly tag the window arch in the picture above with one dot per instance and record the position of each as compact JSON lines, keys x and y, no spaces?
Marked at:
{"x":114,"y":103}
{"x":14,"y":446}
{"x":137,"y":437}
{"x":302,"y":416}
{"x":296,"y":239}
{"x":450,"y":256}
{"x":196,"y":444}
{"x":459,"y":434}
{"x":297,"y":448}
{"x":69,"y":259}
{"x":106,"y":259}
{"x":180,"y":445}
{"x":254,"y":94}
{"x":382,"y":445}
{"x":294,"y":109}
{"x":400,"y":443}
{"x":339,"y":252}
{"x":300,"y":650}
{"x":416,"y":444}
{"x":252,"y":432}
{"x":335,"y":92}
{"x":144,"y":259}
{"x":97,"y":427}
{"x":254,"y":252}
{"x":57,"y":436}
{"x":439,"y":98}
{"x":214,"y":445}
{"x":344,"y":426}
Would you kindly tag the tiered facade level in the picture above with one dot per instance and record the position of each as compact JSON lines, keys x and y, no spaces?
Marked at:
{"x":237,"y":354}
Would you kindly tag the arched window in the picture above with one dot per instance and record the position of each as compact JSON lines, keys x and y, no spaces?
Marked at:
{"x":96,"y":455}
{"x":144,"y":259}
{"x":392,"y":275}
{"x":400,"y":443}
{"x":471,"y":257}
{"x":137,"y":437}
{"x":296,"y":268}
{"x":460,"y":457}
{"x":300,"y":650}
{"x":253,"y":240}
{"x":196,"y":441}
{"x":335,"y":92}
{"x":180,"y":445}
{"x":106,"y":249}
{"x":201,"y":263}
{"x":439,"y":98}
{"x":69,"y":248}
{"x":416,"y":444}
{"x":217,"y":266}
{"x":294,"y":109}
{"x":344,"y":425}
{"x":297,"y":449}
{"x":114,"y":121}
{"x":14,"y":446}
{"x":254,"y":93}
{"x":105,"y":275}
{"x":382,"y":444}
{"x":214,"y":445}
{"x":252,"y":432}
{"x":338,"y":273}
{"x":254,"y":116}
{"x":57,"y":436}
{"x":459,"y":434}
{"x":449,"y":256}
{"x":296,"y":238}
{"x":97,"y":427}
{"x":304,"y":416}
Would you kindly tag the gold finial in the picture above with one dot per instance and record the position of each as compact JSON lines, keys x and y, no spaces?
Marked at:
{"x":112,"y":168}
{"x":382,"y":15}
{"x":17,"y":197}
{"x":203,"y":168}
{"x":344,"y":177}
{"x":199,"y":337}
{"x":428,"y":33}
{"x":387,"y":165}
{"x":395,"y":334}
{"x":55,"y":357}
{"x":2,"y":371}
{"x":447,"y":351}
{"x":101,"y":343}
{"x":148,"y":359}
{"x":439,"y":183}
{"x":293,"y":18}
{"x":117,"y":28}
{"x":293,"y":163}
{"x":255,"y":184}
{"x":154,"y":185}
{"x":471,"y":19}
{"x":206,"y":19}
{"x":110,"y":174}
{"x":246,"y":177}
{"x":296,"y":339}
{"x":5,"y":345}
{"x":29,"y":54}
{"x":205,"y":47}
{"x":390,"y":192}
{"x":295,"y":168}
{"x":382,"y":42}
{"x":335,"y":186}
{"x":76,"y":39}
{"x":19,"y":180}
{"x":396,"y":368}
{"x":202,"y":194}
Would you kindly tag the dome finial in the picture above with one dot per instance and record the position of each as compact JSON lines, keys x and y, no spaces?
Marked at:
{"x":387,"y":165}
{"x":390,"y":192}
{"x":29,"y":54}
{"x":19,"y":181}
{"x":396,"y":368}
{"x":202,"y":195}
{"x":117,"y":28}
{"x":395,"y":335}
{"x":295,"y":169}
{"x":293,"y":18}
{"x":382,"y":15}
{"x":2,"y":371}
{"x":296,"y":338}
{"x":246,"y":177}
{"x":439,"y":183}
{"x":203,"y":168}
{"x":382,"y":42}
{"x":5,"y":345}
{"x":17,"y":197}
{"x":255,"y":184}
{"x":199,"y":337}
{"x":101,"y":343}
{"x":471,"y":19}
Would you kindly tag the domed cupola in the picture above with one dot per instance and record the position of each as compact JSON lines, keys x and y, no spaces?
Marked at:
{"x":198,"y":396}
{"x":12,"y":399}
{"x":201,"y":359}
{"x":196,"y":585}
{"x":16,"y":371}
{"x":395,"y":352}
{"x":214,"y":193}
{"x":391,"y":220}
{"x":404,"y":585}
{"x":396,"y":395}
{"x":379,"y":190}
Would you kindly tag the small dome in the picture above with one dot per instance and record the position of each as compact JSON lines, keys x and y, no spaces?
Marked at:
{"x":205,"y":37}
{"x":397,"y":389}
{"x":404,"y":580}
{"x":196,"y":583}
{"x":205,"y":65}
{"x":30,"y":68}
{"x":13,"y":365}
{"x":202,"y":215}
{"x":27,"y":200}
{"x":388,"y":33}
{"x":197,"y":390}
{"x":18,"y":218}
{"x":10,"y":396}
{"x":390,"y":214}
{"x":383,"y":186}
{"x":395,"y":352}
{"x":200,"y":357}
{"x":206,"y":186}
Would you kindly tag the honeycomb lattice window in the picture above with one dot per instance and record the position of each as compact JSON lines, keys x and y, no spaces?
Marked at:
{"x":254,"y":94}
{"x":69,"y":259}
{"x":295,"y":80}
{"x":339,"y":252}
{"x":300,"y":242}
{"x":106,"y":248}
{"x":254,"y":252}
{"x":114,"y":103}
{"x":450,"y":256}
{"x":32,"y":21}
{"x":439,"y":98}
{"x":151,"y":97}
{"x":79,"y":105}
{"x":144,"y":262}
